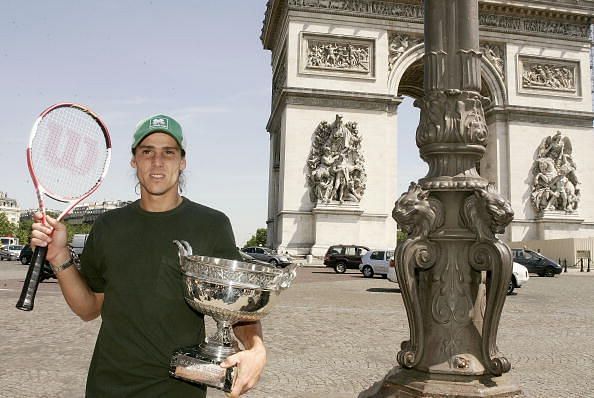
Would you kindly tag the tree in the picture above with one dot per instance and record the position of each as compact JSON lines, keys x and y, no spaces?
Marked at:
{"x":259,"y":239}
{"x":401,"y":236}
{"x":24,"y":231}
{"x":77,"y":229}
{"x":6,"y":227}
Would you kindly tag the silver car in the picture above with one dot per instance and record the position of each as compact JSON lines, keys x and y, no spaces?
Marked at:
{"x":376,"y":262}
{"x":267,"y":255}
{"x":10,"y":252}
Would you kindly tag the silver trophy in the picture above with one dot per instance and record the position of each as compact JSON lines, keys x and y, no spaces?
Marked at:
{"x":229,"y":291}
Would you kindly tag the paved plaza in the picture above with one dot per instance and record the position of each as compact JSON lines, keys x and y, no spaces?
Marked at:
{"x":330,"y":336}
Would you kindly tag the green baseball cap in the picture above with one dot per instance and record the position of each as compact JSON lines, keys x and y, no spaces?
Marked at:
{"x":158,"y":123}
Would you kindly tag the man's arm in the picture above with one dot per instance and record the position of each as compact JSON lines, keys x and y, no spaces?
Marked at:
{"x":251,"y":361}
{"x":82,"y":300}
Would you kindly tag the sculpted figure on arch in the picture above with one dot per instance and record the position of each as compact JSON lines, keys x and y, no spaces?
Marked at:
{"x":555,"y":183}
{"x":336,"y":166}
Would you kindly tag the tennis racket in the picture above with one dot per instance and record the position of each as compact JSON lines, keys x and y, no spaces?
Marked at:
{"x":68,"y":156}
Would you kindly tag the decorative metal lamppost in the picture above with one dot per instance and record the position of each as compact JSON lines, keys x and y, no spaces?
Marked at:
{"x":453,"y":270}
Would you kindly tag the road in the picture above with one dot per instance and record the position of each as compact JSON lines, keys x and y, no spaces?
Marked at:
{"x":331,"y":336}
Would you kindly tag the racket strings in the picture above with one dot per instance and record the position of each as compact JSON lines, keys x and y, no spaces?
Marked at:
{"x":68,"y":153}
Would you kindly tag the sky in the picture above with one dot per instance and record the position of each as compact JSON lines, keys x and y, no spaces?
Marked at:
{"x":200,"y":62}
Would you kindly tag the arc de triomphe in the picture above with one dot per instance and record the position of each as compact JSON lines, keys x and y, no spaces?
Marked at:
{"x":340,"y":69}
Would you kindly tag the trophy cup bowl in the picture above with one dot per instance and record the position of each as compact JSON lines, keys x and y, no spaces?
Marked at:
{"x":229,"y":291}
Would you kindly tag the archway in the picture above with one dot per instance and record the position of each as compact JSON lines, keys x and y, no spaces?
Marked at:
{"x":406,"y":81}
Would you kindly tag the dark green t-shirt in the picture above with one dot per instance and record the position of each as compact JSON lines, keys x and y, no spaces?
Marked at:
{"x":130,"y":256}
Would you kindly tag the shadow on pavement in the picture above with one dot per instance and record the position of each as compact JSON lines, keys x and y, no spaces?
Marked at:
{"x":383,"y":290}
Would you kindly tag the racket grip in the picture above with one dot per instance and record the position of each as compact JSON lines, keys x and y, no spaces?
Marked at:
{"x":27,"y":298}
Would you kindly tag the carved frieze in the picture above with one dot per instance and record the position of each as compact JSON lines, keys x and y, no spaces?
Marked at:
{"x":398,"y":44}
{"x":336,"y":166}
{"x":555,"y":185}
{"x":414,"y":13}
{"x":539,"y":74}
{"x":337,"y":55}
{"x":515,"y":24}
{"x":370,"y":7}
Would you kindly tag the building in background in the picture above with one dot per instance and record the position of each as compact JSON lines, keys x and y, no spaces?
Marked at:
{"x":9,"y":207}
{"x":87,"y":213}
{"x":340,"y":70}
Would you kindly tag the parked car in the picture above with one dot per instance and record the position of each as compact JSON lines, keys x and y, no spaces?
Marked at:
{"x":269,"y":256}
{"x":519,"y":277}
{"x":249,"y":259}
{"x":6,"y":254}
{"x":343,"y":257}
{"x":78,"y":242}
{"x":25,"y":258}
{"x":25,"y":255}
{"x":536,"y":262}
{"x":376,"y":262}
{"x":13,"y":250}
{"x":392,"y":270}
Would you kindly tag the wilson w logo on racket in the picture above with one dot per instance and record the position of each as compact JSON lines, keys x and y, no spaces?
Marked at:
{"x":68,"y":156}
{"x":68,"y":150}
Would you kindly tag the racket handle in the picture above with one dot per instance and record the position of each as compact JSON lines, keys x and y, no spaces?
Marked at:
{"x":27,"y":298}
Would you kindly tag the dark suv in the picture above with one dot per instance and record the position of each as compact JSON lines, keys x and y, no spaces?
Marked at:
{"x":343,"y":257}
{"x":536,"y":262}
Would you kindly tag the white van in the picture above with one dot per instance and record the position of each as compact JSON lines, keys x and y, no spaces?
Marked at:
{"x":78,"y":242}
{"x":8,"y":240}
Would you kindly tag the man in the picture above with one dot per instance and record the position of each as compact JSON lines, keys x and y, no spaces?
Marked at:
{"x":130,"y":276}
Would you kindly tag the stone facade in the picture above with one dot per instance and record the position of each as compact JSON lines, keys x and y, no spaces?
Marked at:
{"x":10,"y":208}
{"x":356,"y":58}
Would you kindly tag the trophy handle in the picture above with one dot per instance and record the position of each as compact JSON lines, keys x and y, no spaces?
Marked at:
{"x":286,"y":278}
{"x":183,"y":248}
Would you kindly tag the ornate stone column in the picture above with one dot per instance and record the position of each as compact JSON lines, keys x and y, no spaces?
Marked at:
{"x":453,"y":270}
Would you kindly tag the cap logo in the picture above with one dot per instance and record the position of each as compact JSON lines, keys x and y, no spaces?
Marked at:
{"x":159,"y":122}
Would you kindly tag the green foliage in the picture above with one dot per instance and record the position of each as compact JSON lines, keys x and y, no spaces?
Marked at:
{"x":6,"y":227}
{"x":24,"y":231}
{"x":259,"y":239}
{"x":78,"y":229}
{"x":401,"y":236}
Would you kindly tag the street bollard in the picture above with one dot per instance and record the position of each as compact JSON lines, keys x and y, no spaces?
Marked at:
{"x":581,"y":265}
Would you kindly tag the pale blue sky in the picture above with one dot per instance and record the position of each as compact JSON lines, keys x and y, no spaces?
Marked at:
{"x":199,"y":61}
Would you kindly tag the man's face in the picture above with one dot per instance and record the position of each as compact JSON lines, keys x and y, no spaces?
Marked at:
{"x":158,"y":162}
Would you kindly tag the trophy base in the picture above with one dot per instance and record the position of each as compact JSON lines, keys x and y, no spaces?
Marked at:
{"x":190,"y":365}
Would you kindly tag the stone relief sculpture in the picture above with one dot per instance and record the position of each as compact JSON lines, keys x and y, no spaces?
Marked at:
{"x":555,"y":183}
{"x":338,"y":55}
{"x":399,"y":43}
{"x":548,"y":76}
{"x":495,"y":54}
{"x":412,"y":12}
{"x":336,"y":164}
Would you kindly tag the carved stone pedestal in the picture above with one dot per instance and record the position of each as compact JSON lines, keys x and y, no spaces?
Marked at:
{"x":405,"y":383}
{"x":335,"y":223}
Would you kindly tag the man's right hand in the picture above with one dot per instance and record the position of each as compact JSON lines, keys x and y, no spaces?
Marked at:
{"x":53,"y":236}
